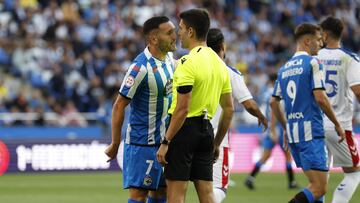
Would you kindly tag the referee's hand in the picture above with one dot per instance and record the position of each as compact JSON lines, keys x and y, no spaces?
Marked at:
{"x":161,"y":154}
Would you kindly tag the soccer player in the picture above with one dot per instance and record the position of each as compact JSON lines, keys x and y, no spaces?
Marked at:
{"x":199,"y":85}
{"x":342,"y":78}
{"x":241,"y":94}
{"x":147,"y":88}
{"x":274,"y":135}
{"x":300,"y":84}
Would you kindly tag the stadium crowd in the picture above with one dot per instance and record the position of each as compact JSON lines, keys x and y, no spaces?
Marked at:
{"x":64,"y":58}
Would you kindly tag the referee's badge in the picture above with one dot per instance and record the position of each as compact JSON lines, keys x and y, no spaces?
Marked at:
{"x":130,"y":80}
{"x":147,"y":180}
{"x":168,"y":87}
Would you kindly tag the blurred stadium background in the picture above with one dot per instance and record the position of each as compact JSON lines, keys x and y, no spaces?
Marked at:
{"x":62,"y":63}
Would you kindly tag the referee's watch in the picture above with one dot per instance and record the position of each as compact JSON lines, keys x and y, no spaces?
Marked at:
{"x":165,"y":141}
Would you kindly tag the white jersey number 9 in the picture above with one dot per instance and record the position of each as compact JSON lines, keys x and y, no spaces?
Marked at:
{"x":291,"y":91}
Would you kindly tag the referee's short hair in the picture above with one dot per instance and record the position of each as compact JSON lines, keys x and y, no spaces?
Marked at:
{"x":199,"y":20}
{"x":306,"y":29}
{"x":154,"y":23}
{"x":214,"y":39}
{"x":334,"y":26}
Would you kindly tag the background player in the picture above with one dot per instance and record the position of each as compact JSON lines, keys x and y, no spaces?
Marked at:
{"x":342,"y":79}
{"x":147,"y":88}
{"x":274,"y":135}
{"x":300,"y":84}
{"x":241,"y":94}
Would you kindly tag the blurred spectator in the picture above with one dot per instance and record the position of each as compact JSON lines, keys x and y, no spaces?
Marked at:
{"x":78,"y":51}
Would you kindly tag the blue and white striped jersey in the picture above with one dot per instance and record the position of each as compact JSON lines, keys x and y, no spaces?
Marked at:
{"x":148,"y":83}
{"x":295,"y":84}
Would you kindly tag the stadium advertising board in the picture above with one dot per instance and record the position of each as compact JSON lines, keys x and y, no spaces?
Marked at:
{"x":246,"y":151}
{"x":58,"y":155}
{"x":88,"y":155}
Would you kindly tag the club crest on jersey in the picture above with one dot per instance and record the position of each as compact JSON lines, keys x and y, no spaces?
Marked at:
{"x":147,"y":180}
{"x":130,"y":81}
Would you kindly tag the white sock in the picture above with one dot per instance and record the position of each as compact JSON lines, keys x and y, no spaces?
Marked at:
{"x":219,"y":195}
{"x":346,"y":188}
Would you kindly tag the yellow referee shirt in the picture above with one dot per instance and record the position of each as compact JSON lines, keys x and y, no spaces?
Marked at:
{"x":203,"y":69}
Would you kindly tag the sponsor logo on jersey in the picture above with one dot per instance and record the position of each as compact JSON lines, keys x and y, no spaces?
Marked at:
{"x":295,"y":115}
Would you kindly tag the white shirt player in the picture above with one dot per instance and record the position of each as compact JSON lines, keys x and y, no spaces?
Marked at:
{"x":239,"y":92}
{"x":342,"y":70}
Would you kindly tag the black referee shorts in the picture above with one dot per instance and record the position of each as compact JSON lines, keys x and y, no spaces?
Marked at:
{"x":190,"y":155}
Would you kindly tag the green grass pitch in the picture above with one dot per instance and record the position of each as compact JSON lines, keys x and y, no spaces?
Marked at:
{"x":106,"y":187}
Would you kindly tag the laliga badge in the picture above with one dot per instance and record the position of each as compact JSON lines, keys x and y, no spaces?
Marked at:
{"x":130,"y":80}
{"x":147,"y":180}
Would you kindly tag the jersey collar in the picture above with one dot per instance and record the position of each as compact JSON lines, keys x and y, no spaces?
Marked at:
{"x":149,"y":55}
{"x":300,"y":53}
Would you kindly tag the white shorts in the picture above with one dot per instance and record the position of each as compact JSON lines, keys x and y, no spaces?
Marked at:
{"x":221,"y":171}
{"x":346,"y":153}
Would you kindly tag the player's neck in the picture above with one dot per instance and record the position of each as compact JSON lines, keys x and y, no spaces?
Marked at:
{"x":332,"y":44}
{"x":302,"y":49}
{"x":194,"y":44}
{"x":156,"y":53}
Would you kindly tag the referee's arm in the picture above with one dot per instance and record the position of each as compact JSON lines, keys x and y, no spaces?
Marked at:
{"x":226,"y":103}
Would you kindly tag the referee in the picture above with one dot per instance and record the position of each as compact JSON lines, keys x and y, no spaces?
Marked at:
{"x":187,"y":150}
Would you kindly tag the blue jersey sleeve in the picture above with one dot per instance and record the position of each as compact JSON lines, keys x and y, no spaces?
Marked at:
{"x":132,"y":80}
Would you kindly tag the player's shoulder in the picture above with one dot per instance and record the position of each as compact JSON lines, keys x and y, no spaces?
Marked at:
{"x":341,"y":52}
{"x":353,"y":55}
{"x":233,"y":70}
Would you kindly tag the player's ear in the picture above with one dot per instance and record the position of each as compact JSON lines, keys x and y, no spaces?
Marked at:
{"x":307,"y":40}
{"x":223,"y":47}
{"x":152,"y":37}
{"x":191,"y":32}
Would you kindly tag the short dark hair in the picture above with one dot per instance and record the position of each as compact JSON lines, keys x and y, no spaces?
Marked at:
{"x":306,"y":29}
{"x":214,"y":39}
{"x":334,"y":26}
{"x":153,"y":23}
{"x":199,"y":20}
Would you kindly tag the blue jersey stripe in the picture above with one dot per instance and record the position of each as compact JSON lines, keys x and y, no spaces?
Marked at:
{"x":139,"y":113}
{"x":160,"y":97}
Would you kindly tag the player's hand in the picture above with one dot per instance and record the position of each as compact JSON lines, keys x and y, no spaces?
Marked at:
{"x":111,"y":151}
{"x":216,"y":153}
{"x":262,"y":120}
{"x":341,"y":133}
{"x":161,"y":154}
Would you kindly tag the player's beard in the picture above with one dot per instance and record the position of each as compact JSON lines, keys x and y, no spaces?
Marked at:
{"x":166,"y":47}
